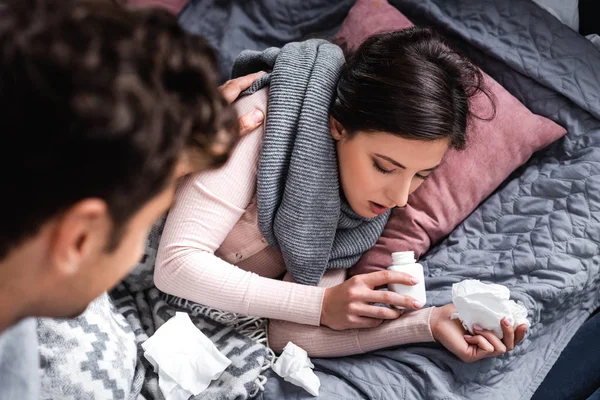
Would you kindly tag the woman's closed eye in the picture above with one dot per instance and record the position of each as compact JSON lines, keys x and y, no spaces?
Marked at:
{"x":389,"y":171}
{"x":381,"y":169}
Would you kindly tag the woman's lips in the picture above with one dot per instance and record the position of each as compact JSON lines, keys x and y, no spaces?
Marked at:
{"x":377,"y":209}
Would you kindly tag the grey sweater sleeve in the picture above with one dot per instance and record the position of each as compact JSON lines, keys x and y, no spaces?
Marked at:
{"x":19,"y":362}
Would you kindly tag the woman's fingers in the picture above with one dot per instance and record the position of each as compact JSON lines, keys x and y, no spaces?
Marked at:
{"x":232,"y":88}
{"x":509,"y":333}
{"x":499,"y":346}
{"x":377,"y":312}
{"x":393,"y":299}
{"x":381,"y":278}
{"x":249,"y":122}
{"x":520,"y":333}
{"x":480,"y":342}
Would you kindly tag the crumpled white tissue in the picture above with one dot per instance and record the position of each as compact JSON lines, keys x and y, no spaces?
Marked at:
{"x":185,"y":360}
{"x":294,"y":366}
{"x":482,"y":304}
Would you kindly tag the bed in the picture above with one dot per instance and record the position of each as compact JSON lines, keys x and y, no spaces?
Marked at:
{"x":551,"y":248}
{"x":539,"y":233}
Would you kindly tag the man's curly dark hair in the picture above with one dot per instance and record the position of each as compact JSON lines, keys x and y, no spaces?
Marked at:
{"x":97,"y":101}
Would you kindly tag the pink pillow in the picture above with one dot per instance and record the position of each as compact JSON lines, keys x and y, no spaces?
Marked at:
{"x":495,"y":149}
{"x":174,"y":6}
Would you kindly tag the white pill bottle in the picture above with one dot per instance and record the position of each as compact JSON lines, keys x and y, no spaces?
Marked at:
{"x":404,"y":261}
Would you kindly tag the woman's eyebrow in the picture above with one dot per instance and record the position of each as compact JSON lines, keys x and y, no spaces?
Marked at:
{"x":396,"y":163}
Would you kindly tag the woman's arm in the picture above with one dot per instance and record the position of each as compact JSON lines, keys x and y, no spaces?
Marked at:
{"x":426,"y":325}
{"x":206,"y":208}
{"x":321,"y":341}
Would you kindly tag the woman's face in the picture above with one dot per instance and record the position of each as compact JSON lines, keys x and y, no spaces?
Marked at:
{"x":379,"y":170}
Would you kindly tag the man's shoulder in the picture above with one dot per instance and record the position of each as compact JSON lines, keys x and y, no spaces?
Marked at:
{"x":19,"y":361}
{"x":17,"y":335}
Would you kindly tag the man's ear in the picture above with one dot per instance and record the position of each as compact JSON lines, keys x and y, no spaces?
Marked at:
{"x":337,"y":130}
{"x":80,"y":232}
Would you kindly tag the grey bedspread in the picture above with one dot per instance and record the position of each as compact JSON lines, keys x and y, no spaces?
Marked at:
{"x":232,"y":26}
{"x":539,"y":234}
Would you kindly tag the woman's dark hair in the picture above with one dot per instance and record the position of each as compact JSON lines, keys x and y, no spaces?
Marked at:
{"x":409,"y":83}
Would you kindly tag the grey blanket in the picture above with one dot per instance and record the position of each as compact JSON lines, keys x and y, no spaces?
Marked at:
{"x":539,"y":234}
{"x":233,"y":26}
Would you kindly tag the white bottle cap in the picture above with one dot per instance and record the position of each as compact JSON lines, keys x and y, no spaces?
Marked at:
{"x":403,"y":257}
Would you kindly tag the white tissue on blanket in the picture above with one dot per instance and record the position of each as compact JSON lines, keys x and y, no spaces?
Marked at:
{"x":185,"y":360}
{"x":482,"y":304}
{"x":294,"y":366}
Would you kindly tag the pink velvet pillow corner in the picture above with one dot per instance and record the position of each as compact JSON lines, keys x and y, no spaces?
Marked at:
{"x":174,"y":6}
{"x":495,"y":149}
{"x":368,"y":17}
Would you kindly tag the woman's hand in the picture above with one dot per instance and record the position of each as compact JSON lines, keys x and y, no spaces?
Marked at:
{"x":347,"y":305}
{"x":451,"y":334}
{"x":231,"y":91}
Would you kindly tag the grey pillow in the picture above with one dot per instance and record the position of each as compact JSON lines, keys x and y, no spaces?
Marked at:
{"x":566,"y":11}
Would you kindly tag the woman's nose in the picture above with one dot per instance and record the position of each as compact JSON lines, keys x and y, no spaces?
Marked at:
{"x":399,"y":192}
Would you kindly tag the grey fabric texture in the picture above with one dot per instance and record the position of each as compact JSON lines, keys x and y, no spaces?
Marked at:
{"x":595,"y":39}
{"x":237,"y":25}
{"x":300,"y":209}
{"x":19,"y":362}
{"x":98,"y":355}
{"x":566,"y":11}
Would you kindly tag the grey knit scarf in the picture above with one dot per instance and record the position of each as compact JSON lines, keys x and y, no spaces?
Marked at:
{"x":300,"y":208}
